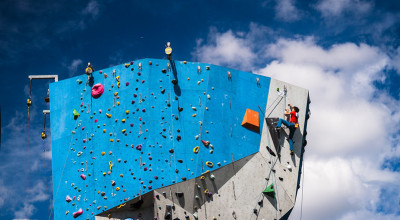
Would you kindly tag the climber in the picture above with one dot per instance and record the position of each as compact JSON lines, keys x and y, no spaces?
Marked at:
{"x":89,"y":70}
{"x":292,"y":124}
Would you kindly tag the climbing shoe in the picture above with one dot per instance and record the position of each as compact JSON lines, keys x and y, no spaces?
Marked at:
{"x":291,"y":152}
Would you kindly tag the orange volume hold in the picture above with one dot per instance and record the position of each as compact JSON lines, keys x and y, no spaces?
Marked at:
{"x":251,"y":120}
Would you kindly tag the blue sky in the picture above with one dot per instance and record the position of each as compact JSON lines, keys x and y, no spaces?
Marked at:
{"x":345,"y":51}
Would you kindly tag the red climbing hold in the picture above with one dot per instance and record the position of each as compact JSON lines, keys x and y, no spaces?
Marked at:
{"x":205,"y":143}
{"x":78,"y":213}
{"x":97,"y":90}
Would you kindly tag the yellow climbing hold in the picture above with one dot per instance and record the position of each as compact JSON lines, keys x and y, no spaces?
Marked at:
{"x":111,"y":140}
{"x":110,"y":165}
{"x":117,"y":78}
{"x":104,"y":130}
{"x":104,"y":173}
{"x":123,"y":120}
{"x":117,"y":188}
{"x":184,"y":62}
{"x":121,"y":175}
{"x":209,"y":164}
{"x":127,"y":65}
{"x":109,"y":216}
{"x":123,"y":130}
{"x":202,"y":177}
{"x":108,"y":115}
{"x":196,"y":149}
{"x":206,"y":191}
{"x":103,"y":153}
{"x":118,"y":84}
{"x":194,"y":115}
{"x":115,"y":93}
{"x":118,"y":103}
{"x":121,"y":205}
{"x":127,"y":111}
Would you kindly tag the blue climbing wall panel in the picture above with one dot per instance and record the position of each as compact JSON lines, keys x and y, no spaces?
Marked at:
{"x":147,"y":139}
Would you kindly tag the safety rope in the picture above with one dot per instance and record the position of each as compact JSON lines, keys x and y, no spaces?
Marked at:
{"x":270,"y":158}
{"x":173,"y":140}
{"x":201,"y":130}
{"x":302,"y":190}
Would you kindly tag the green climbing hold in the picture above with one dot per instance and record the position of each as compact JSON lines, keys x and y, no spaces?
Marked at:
{"x":269,"y":191}
{"x":76,"y":114}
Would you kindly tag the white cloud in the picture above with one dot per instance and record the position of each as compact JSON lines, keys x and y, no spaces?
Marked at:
{"x":285,"y":10}
{"x":234,"y":49}
{"x":351,"y":129}
{"x":91,"y":9}
{"x":73,"y":67}
{"x":336,"y":8}
{"x":21,"y":198}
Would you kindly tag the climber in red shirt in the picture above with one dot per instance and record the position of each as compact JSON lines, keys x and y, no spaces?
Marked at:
{"x":292,"y":124}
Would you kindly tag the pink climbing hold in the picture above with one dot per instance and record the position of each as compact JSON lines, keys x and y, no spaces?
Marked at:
{"x":97,"y":90}
{"x":73,"y":198}
{"x":68,"y":199}
{"x":78,"y":213}
{"x":83,"y":176}
{"x":95,"y":120}
{"x":127,"y":83}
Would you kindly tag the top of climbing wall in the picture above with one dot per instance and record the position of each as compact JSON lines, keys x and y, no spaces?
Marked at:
{"x":146,"y":124}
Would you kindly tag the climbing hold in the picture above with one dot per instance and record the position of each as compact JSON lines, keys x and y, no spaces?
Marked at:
{"x":123,"y":130}
{"x":205,"y":143}
{"x":117,"y":78}
{"x":163,"y":70}
{"x":207,"y":67}
{"x":179,"y":194}
{"x":251,"y":120}
{"x":76,"y":114}
{"x":184,"y":62}
{"x":117,"y":188}
{"x":194,"y":108}
{"x":103,"y":153}
{"x":68,"y":199}
{"x":209,"y":164}
{"x":108,"y":115}
{"x":174,"y":81}
{"x":212,"y":176}
{"x":83,"y":176}
{"x":127,"y":65}
{"x":269,"y":191}
{"x":78,"y":213}
{"x":180,"y":161}
{"x":196,"y":149}
{"x":97,"y":90}
{"x":194,"y":115}
{"x":206,"y":191}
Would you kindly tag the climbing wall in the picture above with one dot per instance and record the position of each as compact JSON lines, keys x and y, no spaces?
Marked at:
{"x":157,"y":124}
{"x":263,"y":185}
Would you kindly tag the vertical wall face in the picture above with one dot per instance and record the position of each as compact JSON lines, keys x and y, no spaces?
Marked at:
{"x":140,"y":134}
